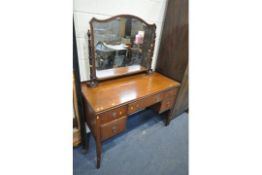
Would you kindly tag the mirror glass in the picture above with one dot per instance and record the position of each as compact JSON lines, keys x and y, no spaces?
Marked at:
{"x":121,"y":46}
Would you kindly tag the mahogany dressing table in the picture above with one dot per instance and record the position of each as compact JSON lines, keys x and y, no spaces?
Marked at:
{"x":121,"y":80}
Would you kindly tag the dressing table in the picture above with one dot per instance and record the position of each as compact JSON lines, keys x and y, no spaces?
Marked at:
{"x":121,"y":79}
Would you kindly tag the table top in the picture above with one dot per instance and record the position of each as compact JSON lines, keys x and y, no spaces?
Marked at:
{"x":112,"y":93}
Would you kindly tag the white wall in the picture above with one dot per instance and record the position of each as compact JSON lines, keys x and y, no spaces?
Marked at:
{"x":150,"y":10}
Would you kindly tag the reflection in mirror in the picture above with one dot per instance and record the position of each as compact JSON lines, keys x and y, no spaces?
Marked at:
{"x":121,"y":45}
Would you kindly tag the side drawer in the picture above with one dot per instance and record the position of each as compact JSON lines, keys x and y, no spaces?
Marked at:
{"x":154,"y":99}
{"x":113,"y":128}
{"x":170,"y":93}
{"x":167,"y":104}
{"x":113,"y":114}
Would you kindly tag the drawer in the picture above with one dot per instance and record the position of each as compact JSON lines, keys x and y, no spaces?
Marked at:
{"x":167,"y":104}
{"x":113,"y":114}
{"x":136,"y":106}
{"x":113,"y":128}
{"x":141,"y":104}
{"x":170,"y":93}
{"x":154,"y":99}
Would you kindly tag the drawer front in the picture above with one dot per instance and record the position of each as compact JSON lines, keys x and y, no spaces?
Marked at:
{"x":170,"y":93}
{"x":136,"y":106}
{"x":154,"y":99}
{"x":167,"y":104}
{"x":141,"y":104}
{"x":113,"y":114}
{"x":113,"y":128}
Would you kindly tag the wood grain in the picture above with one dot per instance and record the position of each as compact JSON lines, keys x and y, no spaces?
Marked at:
{"x":182,"y":97}
{"x":113,"y":128}
{"x":173,"y":52}
{"x":113,"y":114}
{"x":109,"y":94}
{"x":108,"y":105}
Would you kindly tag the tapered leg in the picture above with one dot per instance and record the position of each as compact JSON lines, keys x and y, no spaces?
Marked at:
{"x":168,"y":118}
{"x":98,"y":153}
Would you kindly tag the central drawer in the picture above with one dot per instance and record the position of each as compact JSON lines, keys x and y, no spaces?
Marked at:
{"x":143,"y":103}
{"x":113,"y":128}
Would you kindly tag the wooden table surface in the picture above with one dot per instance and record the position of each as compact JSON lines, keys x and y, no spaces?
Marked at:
{"x":112,"y":93}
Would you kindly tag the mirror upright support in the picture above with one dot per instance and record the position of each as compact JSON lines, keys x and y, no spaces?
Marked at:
{"x":93,"y":80}
{"x":150,"y":53}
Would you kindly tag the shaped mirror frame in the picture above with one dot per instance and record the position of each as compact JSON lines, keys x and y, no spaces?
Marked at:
{"x":111,"y":73}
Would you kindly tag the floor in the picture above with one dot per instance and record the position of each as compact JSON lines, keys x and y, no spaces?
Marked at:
{"x":147,"y":147}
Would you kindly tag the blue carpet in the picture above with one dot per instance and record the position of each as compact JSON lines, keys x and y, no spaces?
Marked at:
{"x":147,"y":147}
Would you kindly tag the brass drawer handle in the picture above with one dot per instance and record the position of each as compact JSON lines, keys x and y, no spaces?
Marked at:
{"x":114,"y":129}
{"x":114,"y":114}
